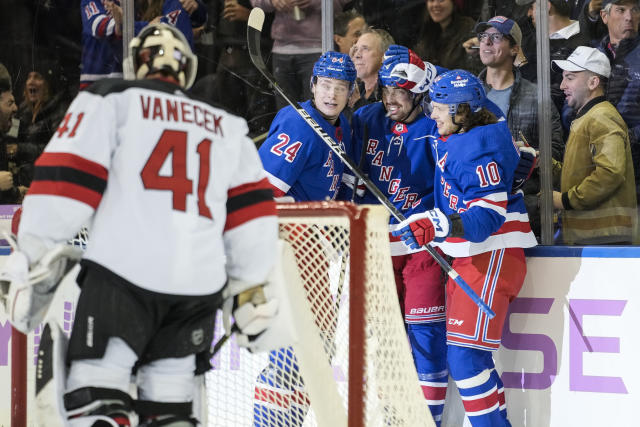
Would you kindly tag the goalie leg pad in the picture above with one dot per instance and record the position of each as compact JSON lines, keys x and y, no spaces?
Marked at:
{"x":93,"y":406}
{"x":167,"y":380}
{"x":111,"y":371}
{"x":51,"y":374}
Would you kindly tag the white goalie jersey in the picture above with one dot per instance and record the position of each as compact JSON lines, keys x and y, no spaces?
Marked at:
{"x":172,"y":189}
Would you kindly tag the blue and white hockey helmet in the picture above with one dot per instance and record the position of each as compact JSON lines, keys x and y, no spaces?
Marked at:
{"x":335,"y":65}
{"x":457,"y":87}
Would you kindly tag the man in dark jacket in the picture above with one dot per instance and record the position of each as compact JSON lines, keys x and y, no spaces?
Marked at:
{"x":500,"y":39}
{"x":622,"y":47}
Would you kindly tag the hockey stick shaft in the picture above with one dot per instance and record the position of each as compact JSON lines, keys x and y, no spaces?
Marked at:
{"x":222,"y":341}
{"x":254,"y":33}
{"x":363,"y":156}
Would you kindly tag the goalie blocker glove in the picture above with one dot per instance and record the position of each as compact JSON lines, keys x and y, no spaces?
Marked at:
{"x":412,"y":72}
{"x":421,"y":228}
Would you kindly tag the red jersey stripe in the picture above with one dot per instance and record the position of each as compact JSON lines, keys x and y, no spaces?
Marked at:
{"x":500,"y":204}
{"x":73,"y":161}
{"x":240,"y":216}
{"x":66,"y":189}
{"x":263,"y":184}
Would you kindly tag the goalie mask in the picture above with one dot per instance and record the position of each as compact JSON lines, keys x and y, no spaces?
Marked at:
{"x":163,"y":48}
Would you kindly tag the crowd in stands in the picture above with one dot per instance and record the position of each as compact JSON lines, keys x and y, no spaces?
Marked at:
{"x":53,"y":48}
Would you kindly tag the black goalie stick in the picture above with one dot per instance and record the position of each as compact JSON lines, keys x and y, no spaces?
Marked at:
{"x":254,"y":33}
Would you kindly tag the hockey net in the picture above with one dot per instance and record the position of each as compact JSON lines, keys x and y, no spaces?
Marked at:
{"x":353,"y":365}
{"x":361,"y":362}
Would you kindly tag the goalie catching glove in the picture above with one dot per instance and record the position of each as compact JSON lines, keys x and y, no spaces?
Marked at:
{"x":420,"y":229}
{"x":25,"y":292}
{"x":413,"y":73}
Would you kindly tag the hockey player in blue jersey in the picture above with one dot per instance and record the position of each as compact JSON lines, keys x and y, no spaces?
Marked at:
{"x":102,"y":38}
{"x":300,"y":166}
{"x":298,"y":163}
{"x":397,"y":158}
{"x":483,"y":225}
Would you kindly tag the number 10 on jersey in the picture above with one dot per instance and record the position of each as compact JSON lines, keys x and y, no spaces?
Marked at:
{"x":174,"y":143}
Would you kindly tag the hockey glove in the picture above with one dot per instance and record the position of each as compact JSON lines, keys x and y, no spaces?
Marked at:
{"x":252,"y":310}
{"x":413,"y":73}
{"x":420,"y":229}
{"x":526,"y":165}
{"x":28,"y":292}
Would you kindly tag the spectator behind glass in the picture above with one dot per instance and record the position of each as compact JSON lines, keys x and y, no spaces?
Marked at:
{"x":297,"y":43}
{"x":40,"y":114}
{"x":564,"y":37}
{"x":591,"y":21}
{"x":367,"y":55}
{"x":347,"y":27}
{"x":397,"y":17}
{"x":102,"y":30}
{"x":234,"y":71}
{"x":597,"y":198}
{"x":500,"y":40}
{"x":622,"y":47}
{"x":442,"y":33}
{"x":9,"y":193}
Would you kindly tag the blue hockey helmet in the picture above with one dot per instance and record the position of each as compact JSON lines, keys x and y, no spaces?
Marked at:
{"x":457,"y":87}
{"x":335,"y":65}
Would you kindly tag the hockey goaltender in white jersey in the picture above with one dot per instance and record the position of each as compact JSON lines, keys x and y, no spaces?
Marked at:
{"x":156,"y":168}
{"x":177,"y":205}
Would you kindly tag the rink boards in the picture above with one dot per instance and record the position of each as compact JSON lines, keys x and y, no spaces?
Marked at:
{"x":569,"y":343}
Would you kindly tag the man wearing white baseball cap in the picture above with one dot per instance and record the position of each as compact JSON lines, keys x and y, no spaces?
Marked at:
{"x":597,"y":184}
{"x":585,"y":58}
